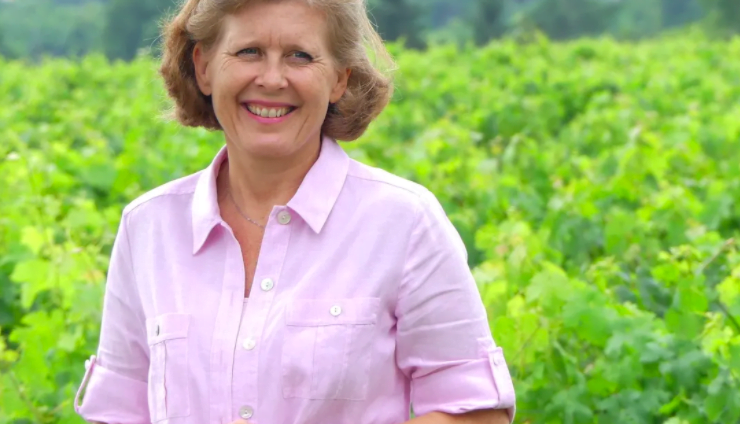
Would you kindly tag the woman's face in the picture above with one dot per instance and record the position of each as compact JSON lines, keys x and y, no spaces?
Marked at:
{"x":271,"y":77}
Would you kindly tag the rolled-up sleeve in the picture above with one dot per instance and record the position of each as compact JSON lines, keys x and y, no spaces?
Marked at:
{"x":114,"y":388}
{"x":444,"y":342}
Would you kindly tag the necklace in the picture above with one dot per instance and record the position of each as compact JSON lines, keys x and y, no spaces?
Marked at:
{"x":231,"y":196}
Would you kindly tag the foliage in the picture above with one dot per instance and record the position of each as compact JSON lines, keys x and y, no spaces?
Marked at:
{"x":398,"y":19}
{"x":724,"y":16}
{"x":680,"y":12}
{"x":594,"y":184}
{"x":488,"y":20}
{"x":122,"y":28}
{"x":32,"y":28}
{"x":564,"y":19}
{"x":132,"y":25}
{"x":637,"y":19}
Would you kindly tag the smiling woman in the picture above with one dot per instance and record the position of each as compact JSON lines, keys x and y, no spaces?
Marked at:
{"x":344,"y":41}
{"x":258,"y":68}
{"x":287,"y":283}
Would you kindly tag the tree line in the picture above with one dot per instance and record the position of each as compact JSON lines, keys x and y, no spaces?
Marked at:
{"x":121,"y":28}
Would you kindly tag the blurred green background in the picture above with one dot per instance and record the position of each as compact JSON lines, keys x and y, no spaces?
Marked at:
{"x":588,"y":151}
{"x":121,"y":28}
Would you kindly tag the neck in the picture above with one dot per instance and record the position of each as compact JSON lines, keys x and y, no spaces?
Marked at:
{"x":258,"y":184}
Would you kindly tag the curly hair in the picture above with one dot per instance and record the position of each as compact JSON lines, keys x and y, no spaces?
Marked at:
{"x":354,"y":43}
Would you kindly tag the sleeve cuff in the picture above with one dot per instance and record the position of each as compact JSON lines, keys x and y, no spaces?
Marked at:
{"x":473,"y":385}
{"x":110,"y":397}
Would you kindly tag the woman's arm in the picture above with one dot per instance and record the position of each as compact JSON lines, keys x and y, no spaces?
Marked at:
{"x":443,"y":338}
{"x":114,"y":387}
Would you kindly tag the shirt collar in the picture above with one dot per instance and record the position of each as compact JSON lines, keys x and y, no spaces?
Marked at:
{"x":205,"y":211}
{"x":313,"y":201}
{"x":320,"y":189}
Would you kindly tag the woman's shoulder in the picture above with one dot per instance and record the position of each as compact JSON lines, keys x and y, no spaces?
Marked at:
{"x":394,"y":190}
{"x":168,"y":193}
{"x":401,"y":196}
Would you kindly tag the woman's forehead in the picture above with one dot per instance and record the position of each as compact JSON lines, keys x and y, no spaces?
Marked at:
{"x":285,"y":23}
{"x":260,"y":15}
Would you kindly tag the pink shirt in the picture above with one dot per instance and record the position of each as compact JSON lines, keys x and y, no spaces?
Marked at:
{"x":362,"y":304}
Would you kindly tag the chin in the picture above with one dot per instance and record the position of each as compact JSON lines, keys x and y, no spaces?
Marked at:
{"x":271,"y":145}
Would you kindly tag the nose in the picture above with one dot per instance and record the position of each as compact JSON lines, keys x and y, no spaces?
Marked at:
{"x":271,"y":75}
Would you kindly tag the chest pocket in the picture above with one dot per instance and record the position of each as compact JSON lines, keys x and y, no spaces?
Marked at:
{"x":168,"y":389}
{"x":327,"y":348}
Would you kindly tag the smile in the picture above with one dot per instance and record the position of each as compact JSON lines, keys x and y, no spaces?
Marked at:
{"x":268,"y":112}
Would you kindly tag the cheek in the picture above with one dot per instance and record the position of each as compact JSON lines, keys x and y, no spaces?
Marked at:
{"x":229,"y":81}
{"x":315,"y":87}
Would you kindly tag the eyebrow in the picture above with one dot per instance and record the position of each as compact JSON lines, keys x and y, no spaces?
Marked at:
{"x":238,"y":42}
{"x":304,"y":47}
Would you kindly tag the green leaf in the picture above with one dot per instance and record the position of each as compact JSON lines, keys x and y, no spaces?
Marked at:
{"x":35,"y":276}
{"x":34,"y":239}
{"x":714,"y":405}
{"x":734,"y":355}
{"x":729,"y":294}
{"x":38,"y":341}
{"x":547,"y":288}
{"x":685,"y":324}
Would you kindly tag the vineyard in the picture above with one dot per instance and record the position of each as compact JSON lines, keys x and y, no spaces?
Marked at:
{"x":596,"y":185}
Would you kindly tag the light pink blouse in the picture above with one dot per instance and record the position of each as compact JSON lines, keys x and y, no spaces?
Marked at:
{"x":362,"y":304}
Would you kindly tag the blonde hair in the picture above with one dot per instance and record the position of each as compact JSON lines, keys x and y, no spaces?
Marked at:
{"x":353,"y":41}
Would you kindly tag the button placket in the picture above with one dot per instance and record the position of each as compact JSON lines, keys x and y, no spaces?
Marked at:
{"x":222,"y":362}
{"x":245,"y":393}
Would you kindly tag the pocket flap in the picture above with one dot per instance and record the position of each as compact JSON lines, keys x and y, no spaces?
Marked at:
{"x":166,"y":327}
{"x":318,"y":312}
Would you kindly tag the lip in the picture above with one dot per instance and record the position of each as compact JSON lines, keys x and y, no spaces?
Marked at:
{"x":266,"y":103}
{"x":268,"y":121}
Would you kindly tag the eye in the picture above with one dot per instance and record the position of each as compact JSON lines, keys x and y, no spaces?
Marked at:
{"x":249,"y":51}
{"x":303,"y":56}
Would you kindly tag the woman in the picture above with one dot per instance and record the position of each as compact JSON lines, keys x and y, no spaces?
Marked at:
{"x":287,"y":283}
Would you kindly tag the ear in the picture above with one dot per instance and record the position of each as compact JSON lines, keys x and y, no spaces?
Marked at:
{"x":341,"y":85}
{"x":200,"y":60}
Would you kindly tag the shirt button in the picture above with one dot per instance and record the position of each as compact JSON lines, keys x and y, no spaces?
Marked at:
{"x":267,"y":284}
{"x":249,"y":344}
{"x":246,"y":412}
{"x":336,"y":310}
{"x":284,"y":217}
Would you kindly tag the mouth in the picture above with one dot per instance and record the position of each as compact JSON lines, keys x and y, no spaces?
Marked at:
{"x":268,"y":112}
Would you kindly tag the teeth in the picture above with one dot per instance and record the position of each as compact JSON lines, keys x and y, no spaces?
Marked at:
{"x":268,"y":112}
